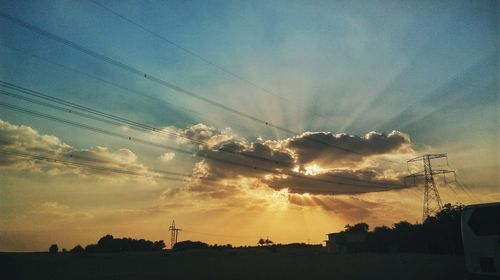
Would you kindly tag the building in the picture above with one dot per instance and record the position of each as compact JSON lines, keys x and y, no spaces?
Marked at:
{"x":345,"y":242}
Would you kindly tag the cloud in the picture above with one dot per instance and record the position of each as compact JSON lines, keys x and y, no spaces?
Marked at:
{"x":52,"y":209}
{"x":347,"y":207}
{"x":236,"y":159}
{"x":336,"y":182}
{"x":204,"y":135}
{"x":166,"y":157}
{"x":51,"y":206}
{"x":25,"y":139}
{"x":23,"y":142}
{"x":329,"y":149}
{"x":247,"y":172}
{"x":313,"y":162}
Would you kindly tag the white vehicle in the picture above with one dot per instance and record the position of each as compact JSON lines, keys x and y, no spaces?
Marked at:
{"x":481,"y":238}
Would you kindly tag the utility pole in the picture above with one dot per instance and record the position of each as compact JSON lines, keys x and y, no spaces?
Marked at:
{"x":432,"y":200}
{"x":174,"y":233}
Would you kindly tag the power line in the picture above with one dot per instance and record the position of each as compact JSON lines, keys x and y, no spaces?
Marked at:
{"x":142,"y":141}
{"x":73,"y":155}
{"x":164,"y":83}
{"x":108,"y":169}
{"x":466,"y":189}
{"x":89,"y":166}
{"x":205,"y":60}
{"x":115,"y":120}
{"x":463,"y":186}
{"x":54,"y":99}
{"x":166,"y":173}
{"x":135,"y":92}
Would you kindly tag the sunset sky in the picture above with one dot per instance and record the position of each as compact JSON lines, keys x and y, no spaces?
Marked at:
{"x":280,"y":119}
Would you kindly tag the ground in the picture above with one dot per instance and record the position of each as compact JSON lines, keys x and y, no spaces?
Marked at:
{"x":232,"y":264}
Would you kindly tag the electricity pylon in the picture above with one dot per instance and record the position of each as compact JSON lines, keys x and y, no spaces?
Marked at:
{"x":174,"y":233}
{"x":432,"y":200}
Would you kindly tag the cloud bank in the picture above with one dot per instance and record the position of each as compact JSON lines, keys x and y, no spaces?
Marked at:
{"x":18,"y":142}
{"x":312,"y":162}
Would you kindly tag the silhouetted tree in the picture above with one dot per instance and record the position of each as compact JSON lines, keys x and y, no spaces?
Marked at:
{"x":158,"y":245}
{"x":77,"y":249}
{"x":381,"y":240}
{"x":189,"y":245}
{"x":406,"y":236}
{"x":438,"y":234}
{"x":268,"y":242}
{"x":442,"y":232}
{"x":360,"y":227}
{"x":106,"y":244}
{"x":53,"y":249}
{"x":261,"y":241}
{"x":110,"y":244}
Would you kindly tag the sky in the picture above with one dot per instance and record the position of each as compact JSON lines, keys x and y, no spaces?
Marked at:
{"x":239,"y":119}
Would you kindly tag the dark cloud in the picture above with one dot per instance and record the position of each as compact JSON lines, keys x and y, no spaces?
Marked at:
{"x":331,"y":149}
{"x":337,"y":182}
{"x":285,"y":163}
{"x":233,"y":160}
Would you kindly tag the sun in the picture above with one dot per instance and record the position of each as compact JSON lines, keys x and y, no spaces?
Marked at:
{"x":313,"y":170}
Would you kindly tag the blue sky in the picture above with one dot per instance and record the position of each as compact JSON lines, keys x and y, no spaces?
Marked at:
{"x":428,"y":69}
{"x":364,"y":65}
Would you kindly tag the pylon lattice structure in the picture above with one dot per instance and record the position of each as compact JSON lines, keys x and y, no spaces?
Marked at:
{"x":432,"y":199}
{"x":174,"y":234}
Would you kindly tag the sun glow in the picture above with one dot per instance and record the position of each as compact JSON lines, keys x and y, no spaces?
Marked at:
{"x":313,"y":170}
{"x":279,"y":198}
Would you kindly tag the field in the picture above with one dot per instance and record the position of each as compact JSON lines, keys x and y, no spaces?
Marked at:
{"x":233,"y":264}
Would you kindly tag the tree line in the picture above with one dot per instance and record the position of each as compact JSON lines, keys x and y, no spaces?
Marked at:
{"x":109,"y":244}
{"x":438,"y":234}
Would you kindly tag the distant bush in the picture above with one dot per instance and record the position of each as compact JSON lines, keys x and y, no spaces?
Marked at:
{"x":266,"y":242}
{"x":189,"y":245}
{"x":221,"y":247}
{"x":53,"y":249}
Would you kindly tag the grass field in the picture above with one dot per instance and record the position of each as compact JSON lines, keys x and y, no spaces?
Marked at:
{"x":233,"y":264}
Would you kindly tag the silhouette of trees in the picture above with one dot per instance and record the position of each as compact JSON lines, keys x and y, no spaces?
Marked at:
{"x":438,"y":234}
{"x":53,"y":249}
{"x":381,"y":240}
{"x":359,"y":228}
{"x":77,"y":249}
{"x":266,"y":242}
{"x":221,"y":247}
{"x":442,"y":232}
{"x":190,"y":245}
{"x":109,"y":244}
